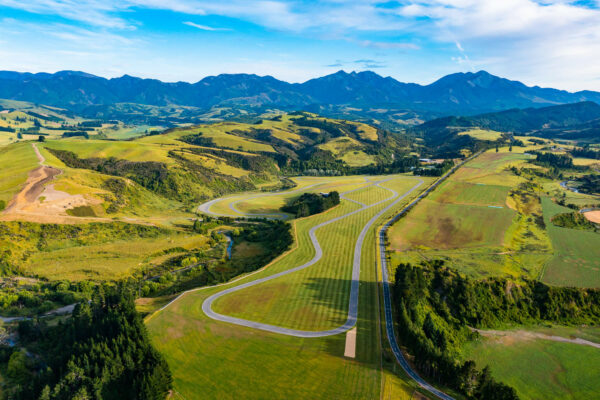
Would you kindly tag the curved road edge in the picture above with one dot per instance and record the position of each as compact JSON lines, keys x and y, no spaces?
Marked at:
{"x":387,"y":302}
{"x":354,"y":285}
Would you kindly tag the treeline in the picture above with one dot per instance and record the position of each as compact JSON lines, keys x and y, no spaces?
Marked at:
{"x":559,"y":161}
{"x":573,"y":220}
{"x":68,"y":134}
{"x":187,"y":182}
{"x":255,"y":163}
{"x":101,"y":352}
{"x":585,"y":152}
{"x":435,"y":306}
{"x":588,"y":183}
{"x":273,"y":237}
{"x":311,"y":203}
{"x":437,"y":170}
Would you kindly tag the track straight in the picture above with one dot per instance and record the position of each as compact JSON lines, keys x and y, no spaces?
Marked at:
{"x":354,"y":286}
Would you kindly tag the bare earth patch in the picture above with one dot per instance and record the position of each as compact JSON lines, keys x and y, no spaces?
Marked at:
{"x":593,"y":216}
{"x":350,"y":350}
{"x":39,"y":201}
{"x":508,"y":337}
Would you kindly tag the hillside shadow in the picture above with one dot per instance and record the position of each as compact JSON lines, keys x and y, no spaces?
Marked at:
{"x":326,"y":292}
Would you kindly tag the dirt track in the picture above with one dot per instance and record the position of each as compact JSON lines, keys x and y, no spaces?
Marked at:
{"x":34,"y":185}
{"x":524,"y":335}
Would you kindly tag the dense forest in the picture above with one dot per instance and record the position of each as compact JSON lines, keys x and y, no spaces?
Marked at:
{"x":311,"y":203}
{"x":435,"y":306}
{"x":101,"y":352}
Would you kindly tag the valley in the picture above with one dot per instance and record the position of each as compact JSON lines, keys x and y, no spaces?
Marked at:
{"x":308,"y":253}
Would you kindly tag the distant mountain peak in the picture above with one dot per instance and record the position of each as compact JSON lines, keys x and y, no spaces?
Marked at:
{"x":463,"y":93}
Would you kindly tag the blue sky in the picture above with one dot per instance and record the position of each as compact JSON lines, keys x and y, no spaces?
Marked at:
{"x":544,"y":42}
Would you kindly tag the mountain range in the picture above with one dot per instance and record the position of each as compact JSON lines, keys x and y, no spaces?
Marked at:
{"x":455,"y":94}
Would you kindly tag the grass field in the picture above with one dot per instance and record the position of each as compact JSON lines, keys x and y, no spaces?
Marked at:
{"x":542,"y":369}
{"x":309,"y":299}
{"x":16,"y":161}
{"x":472,"y":223}
{"x":481,"y":134}
{"x":106,"y":261}
{"x":576,"y":260}
{"x":349,"y":150}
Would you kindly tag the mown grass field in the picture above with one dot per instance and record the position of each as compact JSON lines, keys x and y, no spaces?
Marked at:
{"x":234,"y":358}
{"x":541,"y":369}
{"x":576,"y":260}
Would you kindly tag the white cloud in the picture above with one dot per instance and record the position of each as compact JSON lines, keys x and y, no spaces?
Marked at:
{"x":204,"y":27}
{"x":554,"y":44}
{"x":547,"y":42}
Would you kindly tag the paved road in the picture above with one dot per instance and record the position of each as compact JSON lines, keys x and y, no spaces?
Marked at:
{"x":205,"y":208}
{"x":387,"y":302}
{"x":354,"y":286}
{"x":58,"y":311}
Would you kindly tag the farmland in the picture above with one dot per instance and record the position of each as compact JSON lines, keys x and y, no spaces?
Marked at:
{"x":576,"y":260}
{"x":314,"y":298}
{"x":472,"y":222}
{"x":540,"y":368}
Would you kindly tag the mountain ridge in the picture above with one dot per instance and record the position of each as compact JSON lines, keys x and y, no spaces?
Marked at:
{"x":459,"y":93}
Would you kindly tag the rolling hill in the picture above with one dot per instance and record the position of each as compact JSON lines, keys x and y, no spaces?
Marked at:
{"x":578,"y":121}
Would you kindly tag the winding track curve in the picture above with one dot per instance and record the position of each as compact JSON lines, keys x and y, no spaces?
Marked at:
{"x":354,"y":286}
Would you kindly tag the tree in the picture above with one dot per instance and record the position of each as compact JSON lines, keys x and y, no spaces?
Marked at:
{"x":17,"y":368}
{"x":41,"y":138}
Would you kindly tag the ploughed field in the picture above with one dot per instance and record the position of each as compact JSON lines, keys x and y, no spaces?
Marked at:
{"x":233,"y":357}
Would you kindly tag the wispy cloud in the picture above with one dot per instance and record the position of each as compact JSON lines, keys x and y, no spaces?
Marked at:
{"x":388,"y":45}
{"x":204,"y":27}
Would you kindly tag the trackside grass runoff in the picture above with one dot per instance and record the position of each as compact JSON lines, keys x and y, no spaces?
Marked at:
{"x":540,"y":368}
{"x":576,"y":260}
{"x":313,"y":298}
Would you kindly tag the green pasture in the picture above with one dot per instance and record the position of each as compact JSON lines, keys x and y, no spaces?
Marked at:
{"x":470,"y":222}
{"x":124,"y":132}
{"x":126,"y":150}
{"x":540,"y":369}
{"x":459,"y":192}
{"x":349,"y":150}
{"x":482,"y":134}
{"x":449,"y":226}
{"x":16,"y":160}
{"x":576,"y":260}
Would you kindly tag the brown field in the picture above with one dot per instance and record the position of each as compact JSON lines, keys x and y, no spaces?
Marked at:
{"x":593,"y":216}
